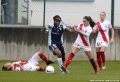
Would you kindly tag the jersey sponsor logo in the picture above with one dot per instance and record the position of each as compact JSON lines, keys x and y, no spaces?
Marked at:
{"x":102,"y":32}
{"x":49,"y":71}
{"x":82,"y":37}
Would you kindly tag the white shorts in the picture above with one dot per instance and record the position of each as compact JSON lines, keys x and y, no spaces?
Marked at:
{"x":81,"y":46}
{"x":100,"y":44}
{"x":33,"y":68}
{"x":34,"y":60}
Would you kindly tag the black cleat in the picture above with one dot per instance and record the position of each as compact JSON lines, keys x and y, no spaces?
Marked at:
{"x":49,"y":62}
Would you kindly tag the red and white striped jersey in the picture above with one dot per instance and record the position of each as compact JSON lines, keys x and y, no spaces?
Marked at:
{"x":103,"y":30}
{"x":84,"y":40}
{"x":25,"y":66}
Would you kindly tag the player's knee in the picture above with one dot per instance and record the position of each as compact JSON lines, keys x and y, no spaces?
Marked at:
{"x":39,"y":53}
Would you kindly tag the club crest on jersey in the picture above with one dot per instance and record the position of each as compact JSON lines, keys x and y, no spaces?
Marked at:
{"x":60,"y":28}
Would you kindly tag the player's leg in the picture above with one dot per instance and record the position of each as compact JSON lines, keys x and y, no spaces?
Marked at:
{"x":99,"y":60}
{"x":102,"y":50}
{"x":40,"y":68}
{"x":71,"y":56}
{"x":37,"y":68}
{"x":39,"y":55}
{"x":90,"y":56}
{"x":57,"y":52}
{"x":43,"y":57}
{"x":61,"y":48}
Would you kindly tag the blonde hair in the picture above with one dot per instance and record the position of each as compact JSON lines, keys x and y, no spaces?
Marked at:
{"x":103,"y":12}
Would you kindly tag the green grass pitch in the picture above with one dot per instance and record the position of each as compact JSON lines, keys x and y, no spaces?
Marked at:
{"x":80,"y":71}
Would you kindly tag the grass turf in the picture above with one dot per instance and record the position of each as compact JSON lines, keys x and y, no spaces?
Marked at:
{"x":80,"y":71}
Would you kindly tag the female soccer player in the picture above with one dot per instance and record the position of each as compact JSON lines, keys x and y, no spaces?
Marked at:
{"x":30,"y":65}
{"x":55,"y":39}
{"x":82,"y":42}
{"x":102,"y":41}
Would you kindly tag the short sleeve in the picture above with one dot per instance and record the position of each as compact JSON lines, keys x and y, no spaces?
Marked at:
{"x":95,"y":27}
{"x":64,"y":27}
{"x":90,"y":30}
{"x":109,"y":25}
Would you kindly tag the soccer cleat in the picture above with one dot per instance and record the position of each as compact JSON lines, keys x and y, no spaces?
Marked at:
{"x":49,"y":62}
{"x":62,"y":72}
{"x":104,"y":66}
{"x":66,"y":71}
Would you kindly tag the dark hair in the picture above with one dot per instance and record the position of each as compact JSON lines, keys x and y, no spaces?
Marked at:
{"x":88,"y":18}
{"x":57,"y":17}
{"x":4,"y":68}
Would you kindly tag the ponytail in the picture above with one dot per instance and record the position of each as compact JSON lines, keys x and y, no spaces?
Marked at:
{"x":88,"y":18}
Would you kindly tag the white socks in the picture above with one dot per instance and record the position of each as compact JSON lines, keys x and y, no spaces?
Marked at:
{"x":60,"y":62}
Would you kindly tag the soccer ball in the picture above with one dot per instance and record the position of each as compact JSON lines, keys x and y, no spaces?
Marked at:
{"x":49,"y":69}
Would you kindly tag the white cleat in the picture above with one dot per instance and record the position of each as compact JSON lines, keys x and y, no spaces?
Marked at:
{"x":104,"y":67}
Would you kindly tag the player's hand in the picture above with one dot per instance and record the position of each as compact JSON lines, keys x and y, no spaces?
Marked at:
{"x":18,"y":57}
{"x":46,"y":31}
{"x":72,"y":26}
{"x":112,"y":41}
{"x":77,"y":30}
{"x":93,"y":31}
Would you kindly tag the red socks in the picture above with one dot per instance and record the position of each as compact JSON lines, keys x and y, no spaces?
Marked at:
{"x":42,"y":68}
{"x":99,"y":60}
{"x":102,"y":56}
{"x":69,"y":60}
{"x":43,"y":57}
{"x":93,"y":64}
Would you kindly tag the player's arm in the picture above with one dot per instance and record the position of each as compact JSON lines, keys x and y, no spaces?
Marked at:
{"x":71,"y":29}
{"x":18,"y":58}
{"x":21,"y":68}
{"x":83,"y":33}
{"x":112,"y":37}
{"x":94,"y":30}
{"x":47,"y":28}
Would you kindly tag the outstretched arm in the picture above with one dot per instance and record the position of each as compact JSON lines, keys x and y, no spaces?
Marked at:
{"x":18,"y":58}
{"x":83,"y":33}
{"x":71,"y":29}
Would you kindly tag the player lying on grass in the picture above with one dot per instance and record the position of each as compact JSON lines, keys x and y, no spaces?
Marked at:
{"x":30,"y":65}
{"x":82,"y":42}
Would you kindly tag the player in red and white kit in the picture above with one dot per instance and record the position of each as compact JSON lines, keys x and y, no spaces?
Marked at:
{"x":30,"y":65}
{"x":103,"y":26}
{"x":82,"y":42}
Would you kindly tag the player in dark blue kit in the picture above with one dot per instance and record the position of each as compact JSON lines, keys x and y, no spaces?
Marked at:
{"x":55,"y":39}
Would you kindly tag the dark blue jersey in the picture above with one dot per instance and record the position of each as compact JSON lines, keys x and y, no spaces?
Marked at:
{"x":56,"y":34}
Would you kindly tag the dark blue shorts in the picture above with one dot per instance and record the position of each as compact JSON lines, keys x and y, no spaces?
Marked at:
{"x":57,"y":46}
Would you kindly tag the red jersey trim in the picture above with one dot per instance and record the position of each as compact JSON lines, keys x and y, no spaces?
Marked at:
{"x":82,"y":37}
{"x":102,"y":32}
